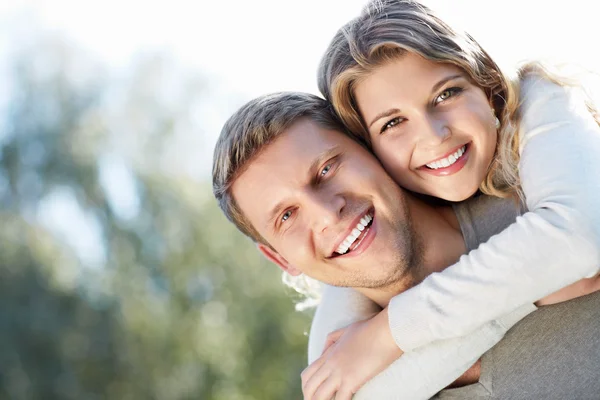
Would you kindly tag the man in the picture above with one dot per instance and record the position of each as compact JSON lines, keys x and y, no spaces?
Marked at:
{"x":318,"y":203}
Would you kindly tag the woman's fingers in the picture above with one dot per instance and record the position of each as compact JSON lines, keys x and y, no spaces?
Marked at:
{"x":312,"y":377}
{"x":332,"y":338}
{"x":343,"y":393}
{"x":328,"y":388}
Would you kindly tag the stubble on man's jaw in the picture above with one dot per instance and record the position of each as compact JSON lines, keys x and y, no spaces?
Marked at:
{"x":409,"y":267}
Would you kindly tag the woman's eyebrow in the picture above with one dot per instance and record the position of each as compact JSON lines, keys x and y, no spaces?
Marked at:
{"x":384,"y":114}
{"x":445,"y":80}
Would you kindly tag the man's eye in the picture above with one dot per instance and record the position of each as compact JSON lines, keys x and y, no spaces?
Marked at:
{"x":286,"y":215}
{"x":325,"y":169}
{"x":446,"y":94}
{"x":391,"y":123}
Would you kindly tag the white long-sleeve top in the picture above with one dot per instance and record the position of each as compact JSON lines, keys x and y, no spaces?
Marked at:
{"x":419,"y":374}
{"x":553,"y":245}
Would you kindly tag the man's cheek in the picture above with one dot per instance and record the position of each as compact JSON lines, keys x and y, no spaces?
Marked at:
{"x":297,"y":253}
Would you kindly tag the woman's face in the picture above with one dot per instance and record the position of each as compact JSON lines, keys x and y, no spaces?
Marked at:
{"x":431,"y":127}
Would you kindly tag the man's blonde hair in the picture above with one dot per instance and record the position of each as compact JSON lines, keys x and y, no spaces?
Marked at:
{"x":248,"y":131}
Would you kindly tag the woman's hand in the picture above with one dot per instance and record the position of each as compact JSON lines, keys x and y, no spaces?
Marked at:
{"x":352,"y":356}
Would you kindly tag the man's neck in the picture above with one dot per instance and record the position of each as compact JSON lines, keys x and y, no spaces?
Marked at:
{"x":442,"y":243}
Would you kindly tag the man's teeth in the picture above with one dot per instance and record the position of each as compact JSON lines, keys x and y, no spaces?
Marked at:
{"x":351,"y":238}
{"x":448,"y":161}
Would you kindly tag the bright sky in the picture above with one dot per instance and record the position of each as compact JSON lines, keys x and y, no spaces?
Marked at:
{"x":264,"y":45}
{"x":248,"y":48}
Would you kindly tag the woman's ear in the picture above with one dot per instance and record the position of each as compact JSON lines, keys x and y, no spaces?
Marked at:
{"x":276,"y":258}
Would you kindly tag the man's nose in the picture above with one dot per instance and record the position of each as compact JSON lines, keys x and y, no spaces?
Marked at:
{"x":325,"y":210}
{"x":434,"y":131}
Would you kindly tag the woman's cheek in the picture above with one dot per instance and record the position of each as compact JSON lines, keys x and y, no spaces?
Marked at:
{"x":393,"y":153}
{"x":393,"y":164}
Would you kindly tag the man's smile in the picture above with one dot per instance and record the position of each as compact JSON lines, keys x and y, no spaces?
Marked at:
{"x":355,"y":235}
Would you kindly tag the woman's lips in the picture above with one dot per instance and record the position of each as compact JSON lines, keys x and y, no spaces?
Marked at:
{"x":451,"y":169}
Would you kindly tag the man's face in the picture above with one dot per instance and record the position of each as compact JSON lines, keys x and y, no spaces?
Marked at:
{"x":327,"y":208}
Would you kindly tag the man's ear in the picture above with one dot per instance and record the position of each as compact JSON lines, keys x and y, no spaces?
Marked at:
{"x":276,"y":258}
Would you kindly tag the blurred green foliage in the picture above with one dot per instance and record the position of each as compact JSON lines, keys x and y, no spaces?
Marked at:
{"x":169,"y":301}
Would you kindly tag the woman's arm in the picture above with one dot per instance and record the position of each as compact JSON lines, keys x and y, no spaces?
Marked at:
{"x":416,"y":375}
{"x":339,"y":307}
{"x":553,"y":245}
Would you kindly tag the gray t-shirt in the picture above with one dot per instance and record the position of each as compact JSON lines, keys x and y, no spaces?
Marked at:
{"x":553,"y":353}
{"x":484,"y":216}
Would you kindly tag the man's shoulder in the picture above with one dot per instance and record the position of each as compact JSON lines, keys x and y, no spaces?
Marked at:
{"x":553,"y":353}
{"x":483,"y":216}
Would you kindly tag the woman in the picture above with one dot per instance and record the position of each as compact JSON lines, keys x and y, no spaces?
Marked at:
{"x":444,"y":121}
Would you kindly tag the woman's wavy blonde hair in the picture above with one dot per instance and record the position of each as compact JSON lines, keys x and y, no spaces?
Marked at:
{"x":388,"y":29}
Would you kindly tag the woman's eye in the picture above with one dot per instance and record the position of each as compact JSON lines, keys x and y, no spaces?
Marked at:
{"x":286,"y":215}
{"x":391,"y":123}
{"x":446,"y":94}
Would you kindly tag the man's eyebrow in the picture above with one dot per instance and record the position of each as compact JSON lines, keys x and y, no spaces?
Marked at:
{"x":273,"y":214}
{"x":311,"y":175}
{"x":434,"y":89}
{"x":320,"y":159}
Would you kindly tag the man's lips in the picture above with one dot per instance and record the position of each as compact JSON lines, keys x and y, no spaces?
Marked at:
{"x":354,"y":235}
{"x":363,"y":242}
{"x":449,"y":164}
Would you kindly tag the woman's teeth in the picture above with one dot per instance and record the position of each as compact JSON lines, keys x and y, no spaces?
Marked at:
{"x":351,"y":238}
{"x":448,"y":161}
